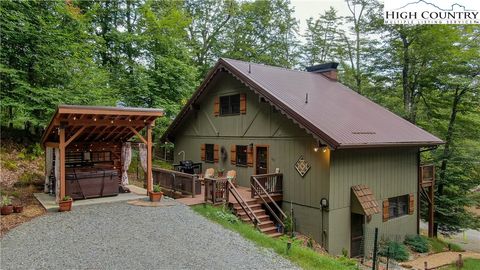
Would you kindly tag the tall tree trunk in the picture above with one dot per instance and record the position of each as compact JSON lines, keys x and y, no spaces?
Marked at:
{"x":358,"y":75}
{"x":407,"y":95}
{"x":446,"y":151}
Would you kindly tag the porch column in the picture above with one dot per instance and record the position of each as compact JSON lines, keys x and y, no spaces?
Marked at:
{"x":62,"y":161}
{"x":149,"y":159}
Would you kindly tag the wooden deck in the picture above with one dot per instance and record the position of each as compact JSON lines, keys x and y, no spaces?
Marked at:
{"x":199,"y":199}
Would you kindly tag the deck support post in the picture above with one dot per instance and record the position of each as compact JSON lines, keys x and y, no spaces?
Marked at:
{"x":61,"y":148}
{"x":149,"y":160}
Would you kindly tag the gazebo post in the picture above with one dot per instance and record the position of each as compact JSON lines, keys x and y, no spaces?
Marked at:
{"x":61,"y":147}
{"x":149,"y":159}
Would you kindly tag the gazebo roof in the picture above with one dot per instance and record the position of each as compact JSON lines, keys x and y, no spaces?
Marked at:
{"x":99,"y":123}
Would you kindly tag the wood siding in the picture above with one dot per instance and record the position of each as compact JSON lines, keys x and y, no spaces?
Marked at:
{"x":388,"y":173}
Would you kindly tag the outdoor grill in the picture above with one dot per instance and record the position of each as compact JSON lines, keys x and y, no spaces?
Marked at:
{"x":186,"y":166}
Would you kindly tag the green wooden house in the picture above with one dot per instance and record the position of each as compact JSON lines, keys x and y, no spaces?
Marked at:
{"x":348,"y":164}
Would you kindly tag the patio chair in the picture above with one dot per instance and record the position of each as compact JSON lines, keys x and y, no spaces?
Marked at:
{"x":210,"y":173}
{"x":232,"y":176}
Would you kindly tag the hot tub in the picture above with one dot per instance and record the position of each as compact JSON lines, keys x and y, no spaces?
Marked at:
{"x":91,"y":183}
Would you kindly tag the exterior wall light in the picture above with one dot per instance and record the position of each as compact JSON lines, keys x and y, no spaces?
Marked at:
{"x":315,"y":149}
{"x":324,"y":203}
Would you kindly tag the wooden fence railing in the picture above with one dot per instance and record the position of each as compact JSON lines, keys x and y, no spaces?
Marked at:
{"x":177,"y":181}
{"x":259,"y":190}
{"x":216,"y":190}
{"x":272,"y":183}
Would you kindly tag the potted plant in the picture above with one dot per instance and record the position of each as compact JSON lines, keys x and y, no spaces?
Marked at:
{"x":7,"y":207}
{"x":220,"y":172}
{"x":65,"y":204}
{"x":156,"y":194}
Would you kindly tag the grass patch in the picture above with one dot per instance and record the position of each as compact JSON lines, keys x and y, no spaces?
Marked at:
{"x":304,"y":257}
{"x":468,"y":264}
{"x":10,"y":165}
{"x":438,"y":245}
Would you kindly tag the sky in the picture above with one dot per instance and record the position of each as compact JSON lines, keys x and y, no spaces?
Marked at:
{"x":305,"y":9}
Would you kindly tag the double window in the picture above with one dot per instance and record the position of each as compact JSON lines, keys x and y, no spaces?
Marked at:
{"x":230,"y":105}
{"x":209,"y":156}
{"x":241,"y":151}
{"x":398,"y":206}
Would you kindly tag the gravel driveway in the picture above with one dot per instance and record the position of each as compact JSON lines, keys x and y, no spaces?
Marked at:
{"x":123,"y":236}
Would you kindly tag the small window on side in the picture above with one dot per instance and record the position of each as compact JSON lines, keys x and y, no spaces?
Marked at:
{"x":209,"y":157}
{"x":241,"y":155}
{"x":398,"y":206}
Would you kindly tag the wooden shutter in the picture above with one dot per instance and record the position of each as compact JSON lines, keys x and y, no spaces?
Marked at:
{"x":243,"y":103}
{"x":233,"y":154}
{"x":215,"y":153}
{"x":411,"y":204}
{"x":216,"y":106}
{"x":202,"y":152}
{"x":250,"y":156}
{"x":385,"y":210}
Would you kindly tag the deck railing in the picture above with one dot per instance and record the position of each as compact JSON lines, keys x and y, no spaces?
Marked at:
{"x":216,"y":190}
{"x":272,"y":183}
{"x":177,"y":181}
{"x":427,"y":175}
{"x":259,"y":190}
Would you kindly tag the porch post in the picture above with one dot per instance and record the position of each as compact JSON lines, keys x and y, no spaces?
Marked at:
{"x":62,"y":161}
{"x":149,"y":159}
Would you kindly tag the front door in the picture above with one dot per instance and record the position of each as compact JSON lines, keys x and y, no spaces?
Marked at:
{"x":261,"y":160}
{"x":356,"y":233}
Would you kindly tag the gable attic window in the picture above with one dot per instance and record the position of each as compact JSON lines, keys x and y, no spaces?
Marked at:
{"x":230,"y":105}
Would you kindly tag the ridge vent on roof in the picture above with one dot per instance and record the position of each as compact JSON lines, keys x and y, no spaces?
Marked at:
{"x":364,"y":132}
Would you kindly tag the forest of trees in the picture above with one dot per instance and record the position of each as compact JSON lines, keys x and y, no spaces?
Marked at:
{"x":155,"y":53}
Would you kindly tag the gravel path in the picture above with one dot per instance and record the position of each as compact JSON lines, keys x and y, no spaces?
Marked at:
{"x":123,"y":236}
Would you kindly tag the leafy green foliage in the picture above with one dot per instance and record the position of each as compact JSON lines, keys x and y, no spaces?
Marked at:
{"x":418,"y":243}
{"x":157,"y":188}
{"x":6,"y":200}
{"x":66,"y":198}
{"x":394,"y":250}
{"x":10,"y":165}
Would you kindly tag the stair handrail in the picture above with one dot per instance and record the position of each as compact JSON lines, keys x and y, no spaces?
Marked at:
{"x":241,"y":201}
{"x":254,"y":189}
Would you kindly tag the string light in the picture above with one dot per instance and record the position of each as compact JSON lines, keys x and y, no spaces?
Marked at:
{"x":94,"y":119}
{"x":74,"y":118}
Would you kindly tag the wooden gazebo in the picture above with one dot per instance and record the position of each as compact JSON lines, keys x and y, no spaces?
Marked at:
{"x":87,"y":139}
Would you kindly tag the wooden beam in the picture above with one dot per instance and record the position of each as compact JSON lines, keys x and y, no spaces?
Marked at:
{"x":62,"y":162}
{"x":119,"y":133}
{"x":103,"y":132}
{"x":91,"y":133}
{"x":149,"y":159}
{"x":51,"y":144}
{"x":75,"y":135}
{"x":111,"y":111}
{"x":101,"y":122}
{"x":139,"y":135}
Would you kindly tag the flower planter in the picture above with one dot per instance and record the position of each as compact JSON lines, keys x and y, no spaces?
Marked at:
{"x":18,"y":208}
{"x":7,"y":209}
{"x":65,"y":206}
{"x":155,"y":196}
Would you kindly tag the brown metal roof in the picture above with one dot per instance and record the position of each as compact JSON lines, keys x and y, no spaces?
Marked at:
{"x":99,"y":123}
{"x":335,"y":114}
{"x":366,"y":199}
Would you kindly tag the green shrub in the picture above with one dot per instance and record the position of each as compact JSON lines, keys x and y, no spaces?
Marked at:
{"x":15,"y":194}
{"x":394,"y":250}
{"x":227,"y":216}
{"x":10,"y":165}
{"x":417,"y":243}
{"x":288,"y":222}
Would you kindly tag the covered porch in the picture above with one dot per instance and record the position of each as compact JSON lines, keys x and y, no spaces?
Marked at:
{"x":88,"y":150}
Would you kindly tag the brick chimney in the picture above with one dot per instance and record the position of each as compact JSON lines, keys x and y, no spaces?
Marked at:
{"x":328,"y":70}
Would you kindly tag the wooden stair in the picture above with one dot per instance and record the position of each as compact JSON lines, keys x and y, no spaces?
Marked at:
{"x":266,"y":225}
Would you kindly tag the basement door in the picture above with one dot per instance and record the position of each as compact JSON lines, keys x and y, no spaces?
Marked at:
{"x":356,"y":233}
{"x":261,"y":159}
